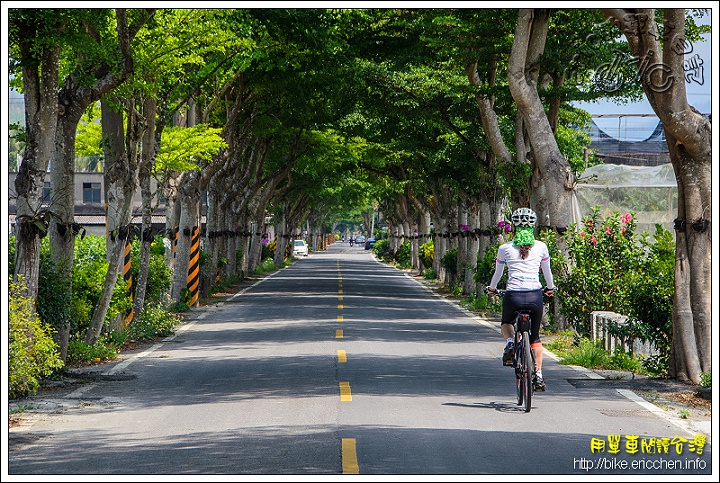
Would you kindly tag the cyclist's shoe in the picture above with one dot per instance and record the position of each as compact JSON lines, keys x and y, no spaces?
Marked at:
{"x":540,"y":385}
{"x":507,"y":356}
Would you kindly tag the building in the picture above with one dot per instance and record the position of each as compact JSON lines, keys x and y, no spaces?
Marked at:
{"x":89,"y":203}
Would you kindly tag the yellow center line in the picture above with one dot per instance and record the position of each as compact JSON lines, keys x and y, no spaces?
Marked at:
{"x":349,"y":457}
{"x":340,"y":290}
{"x":345,"y":395}
{"x":339,"y":298}
{"x":340,"y":318}
{"x":340,"y":306}
{"x":339,"y":334}
{"x":342,"y":355}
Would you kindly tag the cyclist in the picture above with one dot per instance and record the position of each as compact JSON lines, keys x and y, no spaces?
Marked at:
{"x":524,"y":257}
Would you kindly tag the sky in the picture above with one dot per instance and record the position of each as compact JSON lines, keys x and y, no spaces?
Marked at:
{"x":638,"y":128}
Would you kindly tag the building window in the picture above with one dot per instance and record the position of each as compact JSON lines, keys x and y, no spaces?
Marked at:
{"x":91,"y":192}
{"x":46,"y":192}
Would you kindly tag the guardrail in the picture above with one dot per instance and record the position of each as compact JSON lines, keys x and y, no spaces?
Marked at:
{"x":600,"y":321}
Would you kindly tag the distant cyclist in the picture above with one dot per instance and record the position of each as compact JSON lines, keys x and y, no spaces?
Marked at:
{"x":352,"y":240}
{"x":524,"y":257}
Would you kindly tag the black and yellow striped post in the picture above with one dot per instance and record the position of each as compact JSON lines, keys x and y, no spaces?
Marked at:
{"x":127,"y":277}
{"x":194,"y":268}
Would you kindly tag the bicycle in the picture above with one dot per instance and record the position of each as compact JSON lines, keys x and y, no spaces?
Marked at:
{"x":523,"y":356}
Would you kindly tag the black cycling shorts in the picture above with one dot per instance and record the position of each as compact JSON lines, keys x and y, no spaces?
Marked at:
{"x":524,"y":299}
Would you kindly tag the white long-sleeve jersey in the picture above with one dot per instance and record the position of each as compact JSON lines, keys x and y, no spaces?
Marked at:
{"x":523,"y":274}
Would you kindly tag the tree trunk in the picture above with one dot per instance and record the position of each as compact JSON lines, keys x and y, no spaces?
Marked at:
{"x":120,"y":179}
{"x":473,"y":245}
{"x":689,"y":137}
{"x":189,"y":200}
{"x":552,"y":178}
{"x":145,"y":177}
{"x":281,"y":240}
{"x":41,"y":111}
{"x":63,"y":228}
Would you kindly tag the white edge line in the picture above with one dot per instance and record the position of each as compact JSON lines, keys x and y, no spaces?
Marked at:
{"x":587,"y":372}
{"x":256,"y":283}
{"x":657,"y":411}
{"x":125,"y":363}
{"x":122,"y":365}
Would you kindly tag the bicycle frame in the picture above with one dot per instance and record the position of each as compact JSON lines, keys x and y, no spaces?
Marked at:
{"x":524,"y":360}
{"x":523,"y":357}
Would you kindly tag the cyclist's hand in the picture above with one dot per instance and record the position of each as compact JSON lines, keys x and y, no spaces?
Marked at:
{"x":491,"y":291}
{"x":549,"y":292}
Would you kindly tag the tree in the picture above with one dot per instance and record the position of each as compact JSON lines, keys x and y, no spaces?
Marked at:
{"x":658,"y":42}
{"x":102,"y":62}
{"x":36,"y":41}
{"x":120,"y":185}
{"x":552,"y":178}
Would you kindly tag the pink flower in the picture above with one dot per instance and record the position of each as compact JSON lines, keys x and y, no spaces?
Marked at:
{"x":626,"y":218}
{"x":608,"y":230}
{"x":582,"y":235}
{"x":508,"y":228}
{"x":593,"y":240}
{"x":623,"y":230}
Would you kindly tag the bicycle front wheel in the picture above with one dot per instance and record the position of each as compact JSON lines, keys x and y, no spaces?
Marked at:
{"x":527,"y":370}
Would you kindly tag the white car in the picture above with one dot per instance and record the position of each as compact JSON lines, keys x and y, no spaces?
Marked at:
{"x":300,"y":248}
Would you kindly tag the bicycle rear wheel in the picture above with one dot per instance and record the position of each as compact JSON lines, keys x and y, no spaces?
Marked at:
{"x":527,"y":370}
{"x":518,"y":363}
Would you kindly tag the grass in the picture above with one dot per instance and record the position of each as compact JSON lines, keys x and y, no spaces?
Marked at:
{"x":705,"y":379}
{"x":21,"y":408}
{"x":580,"y":351}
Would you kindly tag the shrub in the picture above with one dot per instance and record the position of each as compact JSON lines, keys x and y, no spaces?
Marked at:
{"x":562,"y":343}
{"x":623,"y":361}
{"x":89,"y":269}
{"x":449,"y":261}
{"x":403,"y":256}
{"x":32,"y":351}
{"x":608,"y":269}
{"x":651,"y":292}
{"x":55,"y":303}
{"x":382,"y":249}
{"x":267,"y":265}
{"x":588,"y":353}
{"x":429,"y":274}
{"x":485,"y":267}
{"x":159,"y":278}
{"x":427,"y":254}
{"x":268,"y":251}
{"x":705,"y":379}
{"x":11,"y":254}
{"x":155,"y":321}
{"x":80,"y":353}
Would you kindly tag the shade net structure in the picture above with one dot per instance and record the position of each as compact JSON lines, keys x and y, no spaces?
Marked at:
{"x":648,"y":191}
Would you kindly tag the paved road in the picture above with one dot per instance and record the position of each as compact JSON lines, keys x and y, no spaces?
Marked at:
{"x":341,"y":364}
